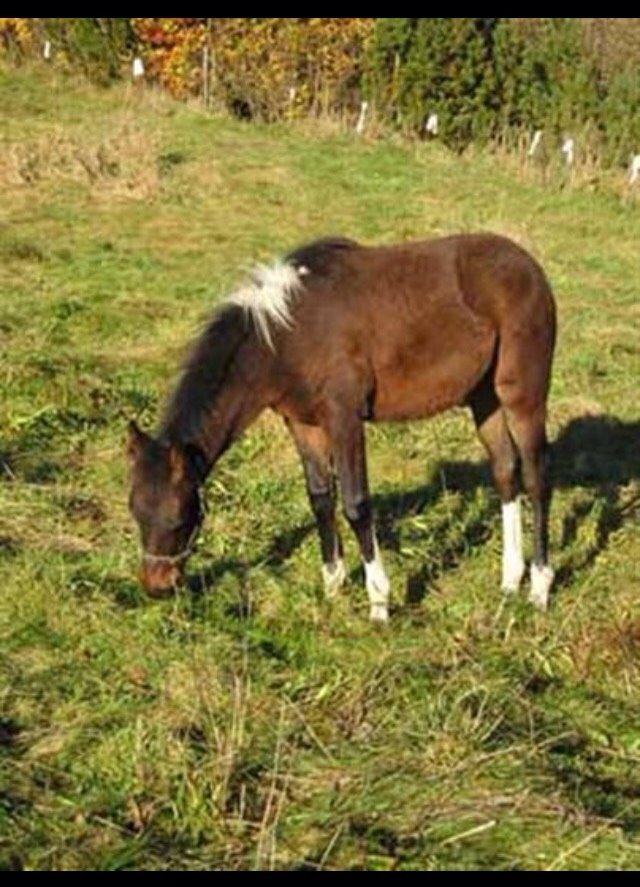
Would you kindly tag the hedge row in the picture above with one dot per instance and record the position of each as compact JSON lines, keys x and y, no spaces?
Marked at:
{"x":485,"y":78}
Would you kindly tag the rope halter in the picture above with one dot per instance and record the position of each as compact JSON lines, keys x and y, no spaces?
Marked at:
{"x":188,"y":548}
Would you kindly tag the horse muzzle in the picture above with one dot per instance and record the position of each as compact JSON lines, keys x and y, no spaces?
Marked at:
{"x":160,"y":579}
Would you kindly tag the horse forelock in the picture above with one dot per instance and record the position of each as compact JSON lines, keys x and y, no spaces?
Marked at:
{"x":268,"y":296}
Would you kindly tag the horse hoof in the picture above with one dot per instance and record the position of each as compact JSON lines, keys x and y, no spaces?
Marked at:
{"x":540,"y":602}
{"x":541,"y":582}
{"x":333,"y":577}
{"x":161,"y":594}
{"x":379,"y":614}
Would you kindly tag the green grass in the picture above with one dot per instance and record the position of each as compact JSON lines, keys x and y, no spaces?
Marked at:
{"x":249,"y":724}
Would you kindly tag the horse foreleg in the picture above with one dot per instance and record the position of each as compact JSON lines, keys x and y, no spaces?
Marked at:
{"x":314,"y":449}
{"x":350,"y":454}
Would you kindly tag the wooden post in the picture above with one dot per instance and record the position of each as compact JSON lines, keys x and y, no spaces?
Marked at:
{"x":208,"y":63}
{"x":205,"y":76}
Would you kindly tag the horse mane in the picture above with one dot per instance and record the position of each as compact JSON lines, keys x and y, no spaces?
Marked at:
{"x":203,"y":372}
{"x":269,"y":294}
{"x":267,"y":300}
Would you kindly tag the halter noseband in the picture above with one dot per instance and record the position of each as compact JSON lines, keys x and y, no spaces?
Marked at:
{"x":186,"y":551}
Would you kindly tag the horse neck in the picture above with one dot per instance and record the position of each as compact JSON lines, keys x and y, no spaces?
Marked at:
{"x":221,"y":418}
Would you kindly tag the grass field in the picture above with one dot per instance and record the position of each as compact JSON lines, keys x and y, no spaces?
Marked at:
{"x":246,"y":723}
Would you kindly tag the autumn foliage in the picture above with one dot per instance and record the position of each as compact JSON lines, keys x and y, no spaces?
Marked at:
{"x":172,"y":51}
{"x":268,"y":67}
{"x":17,"y":34}
{"x":492,"y":80}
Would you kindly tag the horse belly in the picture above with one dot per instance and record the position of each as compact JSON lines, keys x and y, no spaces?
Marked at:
{"x":432,"y":373}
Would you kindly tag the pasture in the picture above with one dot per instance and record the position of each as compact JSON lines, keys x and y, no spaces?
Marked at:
{"x":247,"y":723}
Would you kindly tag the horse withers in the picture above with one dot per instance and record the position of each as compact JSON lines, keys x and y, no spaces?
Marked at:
{"x":338,"y":334}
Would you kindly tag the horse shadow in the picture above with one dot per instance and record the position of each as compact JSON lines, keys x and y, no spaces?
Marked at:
{"x":600,"y":454}
{"x":279,"y":550}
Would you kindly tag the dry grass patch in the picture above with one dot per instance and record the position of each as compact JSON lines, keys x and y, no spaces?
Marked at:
{"x":121,"y":165}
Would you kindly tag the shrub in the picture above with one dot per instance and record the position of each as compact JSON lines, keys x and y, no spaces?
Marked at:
{"x":172,"y":49}
{"x":484,"y":77}
{"x":418,"y":66}
{"x":17,"y":36}
{"x":99,"y":46}
{"x":621,"y":114}
{"x":263,"y":67}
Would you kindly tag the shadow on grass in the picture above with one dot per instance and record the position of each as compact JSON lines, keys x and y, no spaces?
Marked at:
{"x":391,"y":509}
{"x":600,"y":454}
{"x":589,"y":782}
{"x":597,"y":453}
{"x":279,"y":551}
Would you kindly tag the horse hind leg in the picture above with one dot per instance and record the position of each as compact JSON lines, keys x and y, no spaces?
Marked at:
{"x":521,"y":386}
{"x":493,"y":432}
{"x":528,"y":431}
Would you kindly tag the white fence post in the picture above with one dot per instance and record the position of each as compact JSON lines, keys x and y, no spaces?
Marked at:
{"x":361,"y":119}
{"x":535,"y":143}
{"x":431,"y":126}
{"x":568,"y":150}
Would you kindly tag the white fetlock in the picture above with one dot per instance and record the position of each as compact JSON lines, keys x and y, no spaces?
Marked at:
{"x":513,"y":566}
{"x":378,"y":588}
{"x":512,"y":573}
{"x":541,"y":582}
{"x":333,"y":576}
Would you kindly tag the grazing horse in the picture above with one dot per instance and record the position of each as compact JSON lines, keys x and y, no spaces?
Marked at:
{"x":338,"y":334}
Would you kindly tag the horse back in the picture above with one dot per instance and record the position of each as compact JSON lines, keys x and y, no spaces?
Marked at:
{"x":407,"y":330}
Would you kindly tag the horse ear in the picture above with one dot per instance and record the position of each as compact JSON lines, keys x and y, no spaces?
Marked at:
{"x":137,"y":440}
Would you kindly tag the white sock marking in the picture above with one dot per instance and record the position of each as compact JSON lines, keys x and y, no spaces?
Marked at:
{"x":377,"y":587}
{"x":541,"y":582}
{"x":512,"y":560}
{"x":333,"y":576}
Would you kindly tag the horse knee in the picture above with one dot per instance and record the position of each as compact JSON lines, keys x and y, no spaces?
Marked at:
{"x":535,"y":471}
{"x":505,"y":470}
{"x":358,"y":512}
{"x":322,"y":503}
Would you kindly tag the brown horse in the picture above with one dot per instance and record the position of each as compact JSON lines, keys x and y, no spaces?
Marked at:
{"x":337,"y":334}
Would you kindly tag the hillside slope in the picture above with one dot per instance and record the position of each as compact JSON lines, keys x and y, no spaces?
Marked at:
{"x":251,"y":725}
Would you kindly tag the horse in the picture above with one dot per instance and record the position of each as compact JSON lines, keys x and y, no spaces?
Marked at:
{"x":338,"y":334}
